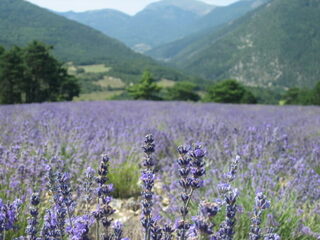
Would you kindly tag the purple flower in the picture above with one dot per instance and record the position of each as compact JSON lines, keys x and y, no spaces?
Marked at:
{"x":80,"y":228}
{"x":31,"y":229}
{"x":9,"y":214}
{"x":209,"y":209}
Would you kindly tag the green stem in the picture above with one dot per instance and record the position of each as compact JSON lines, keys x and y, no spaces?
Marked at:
{"x":184,"y":217}
{"x":69,"y":216}
{"x":98,"y":230}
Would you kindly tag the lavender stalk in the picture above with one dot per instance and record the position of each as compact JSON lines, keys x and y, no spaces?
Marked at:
{"x":31,"y":229}
{"x":147,"y":178}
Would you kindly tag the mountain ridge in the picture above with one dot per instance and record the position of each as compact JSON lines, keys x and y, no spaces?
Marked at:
{"x":157,"y":23}
{"x":276,"y":45}
{"x":22,"y":22}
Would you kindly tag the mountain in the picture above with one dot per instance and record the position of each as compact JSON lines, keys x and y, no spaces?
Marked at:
{"x":110,"y":22}
{"x":222,"y":15}
{"x":196,"y":7}
{"x":277,"y":45}
{"x":209,"y":23}
{"x":158,"y":23}
{"x":22,"y":22}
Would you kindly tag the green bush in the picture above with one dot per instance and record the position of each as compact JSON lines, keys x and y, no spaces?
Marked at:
{"x":124,"y":178}
{"x":229,"y":91}
{"x":146,"y":89}
{"x":183,"y":91}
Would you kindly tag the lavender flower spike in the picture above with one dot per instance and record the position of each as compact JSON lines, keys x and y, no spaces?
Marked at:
{"x":261,"y":203}
{"x":31,"y":229}
{"x":104,"y":211}
{"x":191,"y":170}
{"x":8,"y":216}
{"x":147,"y":178}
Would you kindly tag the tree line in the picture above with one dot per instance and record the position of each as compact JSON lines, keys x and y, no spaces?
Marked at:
{"x":226,"y":91}
{"x":32,"y":74}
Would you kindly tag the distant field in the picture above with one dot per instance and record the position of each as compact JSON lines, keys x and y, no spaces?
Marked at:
{"x":97,"y":96}
{"x":110,"y":82}
{"x":97,"y":68}
{"x":166,"y":83}
{"x":111,"y":86}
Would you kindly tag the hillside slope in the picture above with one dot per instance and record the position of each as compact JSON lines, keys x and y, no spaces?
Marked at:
{"x":206,"y":25}
{"x":276,"y":45}
{"x":22,"y":22}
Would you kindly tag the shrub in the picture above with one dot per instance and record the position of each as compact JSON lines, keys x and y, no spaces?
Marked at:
{"x":183,"y":91}
{"x":124,"y":178}
{"x":229,"y":91}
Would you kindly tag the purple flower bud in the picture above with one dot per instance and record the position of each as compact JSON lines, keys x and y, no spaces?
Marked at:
{"x":209,"y":209}
{"x":183,"y":149}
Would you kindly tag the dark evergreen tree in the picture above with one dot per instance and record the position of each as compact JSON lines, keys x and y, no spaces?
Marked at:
{"x":69,"y":88}
{"x":184,"y":91}
{"x":316,"y":94}
{"x":229,"y":91}
{"x":43,"y":73}
{"x":1,"y":50}
{"x":298,"y":96}
{"x":11,"y":76}
{"x":146,"y":89}
{"x":32,"y":74}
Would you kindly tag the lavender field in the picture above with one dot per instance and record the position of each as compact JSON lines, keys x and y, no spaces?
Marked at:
{"x":54,"y":180}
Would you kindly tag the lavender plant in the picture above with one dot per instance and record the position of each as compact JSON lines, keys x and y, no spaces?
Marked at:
{"x":8,"y":216}
{"x":193,"y":165}
{"x":230,"y":195}
{"x":261,"y":203}
{"x":279,"y":149}
{"x":32,"y":228}
{"x":104,"y":210}
{"x":147,"y":178}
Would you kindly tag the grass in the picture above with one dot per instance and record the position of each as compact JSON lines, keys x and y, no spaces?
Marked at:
{"x":97,"y":68}
{"x":164,"y":83}
{"x":98,"y":96}
{"x":124,"y":178}
{"x":112,"y":82}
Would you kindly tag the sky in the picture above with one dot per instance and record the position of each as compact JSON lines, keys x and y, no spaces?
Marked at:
{"x":127,"y":6}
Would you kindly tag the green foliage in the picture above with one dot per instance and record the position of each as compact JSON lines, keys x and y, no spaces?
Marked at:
{"x":316,"y":94}
{"x":124,"y":178}
{"x":146,"y":89}
{"x":267,"y":95}
{"x":1,"y":50}
{"x":32,"y":74}
{"x":183,"y":91}
{"x":229,"y":91}
{"x":12,"y":76}
{"x":297,"y":96}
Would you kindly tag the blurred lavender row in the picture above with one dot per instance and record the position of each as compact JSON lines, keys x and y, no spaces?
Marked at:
{"x":279,"y":148}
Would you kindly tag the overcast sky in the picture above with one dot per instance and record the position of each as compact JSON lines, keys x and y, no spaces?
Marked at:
{"x":127,"y":6}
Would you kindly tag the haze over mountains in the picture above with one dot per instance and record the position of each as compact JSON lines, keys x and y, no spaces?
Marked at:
{"x":158,"y":23}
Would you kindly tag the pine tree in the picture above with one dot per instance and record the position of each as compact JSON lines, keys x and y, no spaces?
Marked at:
{"x":32,"y":74}
{"x":46,"y":79}
{"x":146,"y":89}
{"x":11,"y":76}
